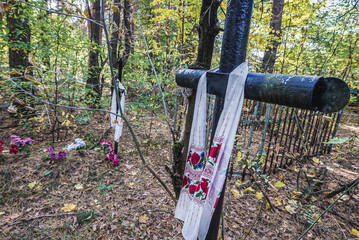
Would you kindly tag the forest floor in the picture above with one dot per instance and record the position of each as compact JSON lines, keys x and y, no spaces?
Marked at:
{"x":126,"y":202}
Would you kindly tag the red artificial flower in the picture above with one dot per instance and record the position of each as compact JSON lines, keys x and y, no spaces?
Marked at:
{"x":195,"y":158}
{"x":14,"y":149}
{"x":1,"y":149}
{"x":214,"y":151}
{"x":192,"y":188}
{"x":185,"y":181}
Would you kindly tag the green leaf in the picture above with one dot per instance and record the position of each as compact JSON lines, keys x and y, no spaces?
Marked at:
{"x":109,"y":186}
{"x":337,"y":140}
{"x":279,"y":184}
{"x":47,"y":173}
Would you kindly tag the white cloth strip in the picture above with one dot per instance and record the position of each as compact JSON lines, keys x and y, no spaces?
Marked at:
{"x":203,"y":180}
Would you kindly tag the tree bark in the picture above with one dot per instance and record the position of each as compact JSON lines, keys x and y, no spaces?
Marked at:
{"x":128,"y":26}
{"x":93,"y":80}
{"x":116,"y":37}
{"x":19,"y":37}
{"x":275,"y":34}
{"x":208,"y":30}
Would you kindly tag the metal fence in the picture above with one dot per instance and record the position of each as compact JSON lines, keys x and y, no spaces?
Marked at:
{"x":271,"y":136}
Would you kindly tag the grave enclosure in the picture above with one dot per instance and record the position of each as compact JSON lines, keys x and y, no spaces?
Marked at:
{"x":284,"y":118}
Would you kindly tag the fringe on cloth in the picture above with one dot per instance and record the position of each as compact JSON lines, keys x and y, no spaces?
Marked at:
{"x":116,"y":121}
{"x":204,"y":177}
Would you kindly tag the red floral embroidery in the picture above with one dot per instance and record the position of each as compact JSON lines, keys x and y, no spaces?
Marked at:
{"x":185,"y":181}
{"x":214,"y":151}
{"x":195,"y":159}
{"x":215,"y":205}
{"x":204,"y":185}
{"x":192,"y":188}
{"x":189,"y":156}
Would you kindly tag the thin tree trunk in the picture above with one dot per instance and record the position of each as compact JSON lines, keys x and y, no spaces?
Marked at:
{"x":275,"y":34}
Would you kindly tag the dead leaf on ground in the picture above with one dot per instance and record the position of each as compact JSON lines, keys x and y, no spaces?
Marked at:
{"x":290,"y":209}
{"x":69,"y":207}
{"x":143,"y":218}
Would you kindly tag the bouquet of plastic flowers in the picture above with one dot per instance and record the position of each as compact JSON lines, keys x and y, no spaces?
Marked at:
{"x":109,"y":153}
{"x":53,"y":155}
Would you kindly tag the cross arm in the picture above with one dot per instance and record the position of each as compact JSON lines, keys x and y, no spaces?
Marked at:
{"x":325,"y":94}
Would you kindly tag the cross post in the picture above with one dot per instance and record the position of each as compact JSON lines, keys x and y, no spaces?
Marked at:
{"x":325,"y":94}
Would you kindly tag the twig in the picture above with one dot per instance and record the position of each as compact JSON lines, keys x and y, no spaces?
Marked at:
{"x":98,"y":140}
{"x":48,"y":215}
{"x":335,"y":192}
{"x":170,"y":130}
{"x":61,"y":13}
{"x":256,"y":221}
{"x":326,"y":210}
{"x":154,"y":71}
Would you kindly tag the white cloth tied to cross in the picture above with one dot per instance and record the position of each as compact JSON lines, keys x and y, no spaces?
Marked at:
{"x":117,"y":121}
{"x":203,"y":180}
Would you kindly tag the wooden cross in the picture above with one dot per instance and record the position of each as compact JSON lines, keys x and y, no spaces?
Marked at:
{"x":325,"y":94}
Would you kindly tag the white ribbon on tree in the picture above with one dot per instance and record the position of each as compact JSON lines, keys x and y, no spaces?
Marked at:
{"x":117,"y":121}
{"x":203,"y":180}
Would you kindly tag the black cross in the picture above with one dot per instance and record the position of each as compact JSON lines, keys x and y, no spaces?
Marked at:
{"x":325,"y":94}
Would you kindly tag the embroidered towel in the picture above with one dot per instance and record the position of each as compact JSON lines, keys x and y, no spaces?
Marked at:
{"x":203,"y":180}
{"x":116,"y":121}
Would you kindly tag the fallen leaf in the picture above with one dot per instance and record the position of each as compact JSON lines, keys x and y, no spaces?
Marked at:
{"x":290,"y":209}
{"x":267,"y":206}
{"x":132,"y":183}
{"x":32,"y":185}
{"x":249,"y":189}
{"x":296,"y":195}
{"x":69,"y":207}
{"x":259,"y":195}
{"x":316,"y":160}
{"x":79,"y":186}
{"x":355,"y":232}
{"x":143,"y":218}
{"x":279,"y":201}
{"x":315,"y":216}
{"x":11,"y":109}
{"x":279,"y":184}
{"x":236,"y":193}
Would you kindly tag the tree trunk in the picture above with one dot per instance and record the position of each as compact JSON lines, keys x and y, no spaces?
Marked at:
{"x":93,"y":80}
{"x":128,"y":26}
{"x":275,"y":34}
{"x":19,"y":47}
{"x":116,"y":37}
{"x":208,"y":30}
{"x":19,"y":36}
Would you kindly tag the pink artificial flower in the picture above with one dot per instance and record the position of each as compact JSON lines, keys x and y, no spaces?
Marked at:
{"x":14,"y":136}
{"x":105,"y":143}
{"x":110,"y":156}
{"x":115,"y":162}
{"x":29,"y":141}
